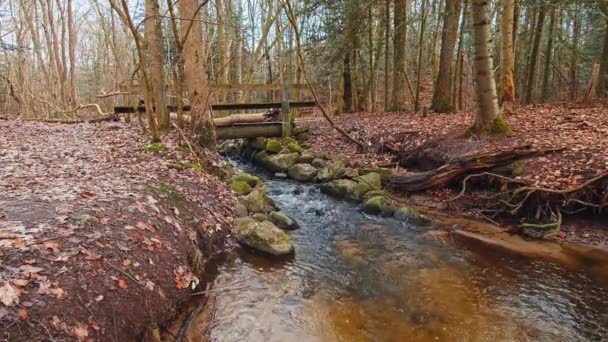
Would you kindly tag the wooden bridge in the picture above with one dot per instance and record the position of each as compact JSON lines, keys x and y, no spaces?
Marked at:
{"x":271,"y":127}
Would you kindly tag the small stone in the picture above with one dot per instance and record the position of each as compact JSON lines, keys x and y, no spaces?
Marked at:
{"x":365,"y":183}
{"x":319,"y":163}
{"x":294,"y":147}
{"x":255,"y":201}
{"x":258,"y":143}
{"x":247,"y":178}
{"x":273,"y":146}
{"x":411,"y":214}
{"x":241,"y":188}
{"x":241,"y":210}
{"x":260,"y":217}
{"x":374,"y":205}
{"x":283,"y":221}
{"x":306,"y":157}
{"x":281,"y":162}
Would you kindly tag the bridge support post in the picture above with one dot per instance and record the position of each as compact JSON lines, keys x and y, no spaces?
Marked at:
{"x":286,"y":115}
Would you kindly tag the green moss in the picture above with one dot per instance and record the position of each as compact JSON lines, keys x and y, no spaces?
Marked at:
{"x":273,"y":146}
{"x":294,"y":147}
{"x":196,"y":167}
{"x":247,"y":178}
{"x":241,"y":188}
{"x":154,"y":147}
{"x":289,"y":140}
{"x":518,"y":168}
{"x":500,"y":126}
{"x":165,"y":188}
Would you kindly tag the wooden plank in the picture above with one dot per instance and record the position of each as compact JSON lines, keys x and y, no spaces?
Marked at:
{"x":225,"y":106}
{"x":250,"y":130}
{"x":236,"y":87}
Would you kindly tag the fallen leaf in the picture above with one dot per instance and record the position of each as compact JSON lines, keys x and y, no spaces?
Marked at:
{"x":87,"y":194}
{"x":9,"y":296}
{"x":58,"y":292}
{"x":54,"y":246}
{"x":122,"y":284}
{"x":23,"y":314}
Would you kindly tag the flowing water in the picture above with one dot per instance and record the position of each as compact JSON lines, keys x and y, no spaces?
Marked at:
{"x":359,"y":278}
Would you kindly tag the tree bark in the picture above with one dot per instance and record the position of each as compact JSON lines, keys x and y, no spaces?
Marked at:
{"x":540,"y":21}
{"x":548,"y":56}
{"x":487,"y":119}
{"x":442,"y":101}
{"x":399,"y":48}
{"x":195,"y":70}
{"x":420,"y":51}
{"x":602,"y":87}
{"x":507,"y":58}
{"x":347,"y":94}
{"x":154,"y":47}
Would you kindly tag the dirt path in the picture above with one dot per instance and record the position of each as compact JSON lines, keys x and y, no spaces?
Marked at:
{"x":100,"y":238}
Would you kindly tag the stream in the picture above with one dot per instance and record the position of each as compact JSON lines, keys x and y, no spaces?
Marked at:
{"x":363,"y":278}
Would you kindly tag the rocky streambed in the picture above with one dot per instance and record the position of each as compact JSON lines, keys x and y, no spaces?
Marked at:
{"x":261,"y":223}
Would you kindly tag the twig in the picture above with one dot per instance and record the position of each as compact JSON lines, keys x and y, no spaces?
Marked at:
{"x":48,"y":332}
{"x":124,"y":273}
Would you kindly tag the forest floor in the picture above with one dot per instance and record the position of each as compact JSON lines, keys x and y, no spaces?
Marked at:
{"x":99,"y":238}
{"x":579,"y":130}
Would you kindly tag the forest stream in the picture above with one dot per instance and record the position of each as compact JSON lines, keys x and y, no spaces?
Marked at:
{"x":363,"y":278}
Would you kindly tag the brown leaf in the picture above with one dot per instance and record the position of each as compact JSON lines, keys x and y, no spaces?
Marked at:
{"x":23,"y":315}
{"x":122,"y":284}
{"x":87,"y":194}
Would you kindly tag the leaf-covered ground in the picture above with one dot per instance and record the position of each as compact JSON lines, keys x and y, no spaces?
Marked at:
{"x":580,"y":129}
{"x":98,"y":237}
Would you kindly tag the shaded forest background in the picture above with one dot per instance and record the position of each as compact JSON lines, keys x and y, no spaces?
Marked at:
{"x":60,"y":58}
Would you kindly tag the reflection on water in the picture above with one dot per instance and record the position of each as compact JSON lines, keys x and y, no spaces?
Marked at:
{"x":357,"y":278}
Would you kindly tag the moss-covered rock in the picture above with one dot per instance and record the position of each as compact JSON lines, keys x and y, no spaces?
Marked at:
{"x":273,"y":146}
{"x":340,"y":188}
{"x":241,"y":210}
{"x":302,"y":172}
{"x":319,"y":163}
{"x":261,"y":158}
{"x":289,"y":140}
{"x":367,"y":182}
{"x":411,"y":214}
{"x":227,"y":147}
{"x":333,"y":170}
{"x":373,"y":193}
{"x":258,"y":143}
{"x":374,"y":205}
{"x":294,"y":147}
{"x":351,"y":173}
{"x":302,"y":137}
{"x":263,"y":236}
{"x":259,"y":217}
{"x":283,"y":221}
{"x":518,"y":168}
{"x":247,"y":178}
{"x":256,"y":201}
{"x":282,"y":162}
{"x":306,"y":157}
{"x":241,"y":188}
{"x":154,"y":147}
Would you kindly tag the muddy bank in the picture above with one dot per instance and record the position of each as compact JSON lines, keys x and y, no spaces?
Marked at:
{"x":102,"y":236}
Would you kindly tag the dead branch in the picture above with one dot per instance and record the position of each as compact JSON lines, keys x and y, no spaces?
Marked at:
{"x":111,"y":94}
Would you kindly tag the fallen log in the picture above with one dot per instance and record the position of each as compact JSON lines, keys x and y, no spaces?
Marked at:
{"x":460,"y":167}
{"x":237,"y":118}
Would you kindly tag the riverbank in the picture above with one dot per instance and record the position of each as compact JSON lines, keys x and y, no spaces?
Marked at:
{"x":102,"y":235}
{"x":577,"y":132}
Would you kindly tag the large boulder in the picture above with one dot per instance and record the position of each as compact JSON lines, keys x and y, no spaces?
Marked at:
{"x":263,"y":236}
{"x":281,"y":162}
{"x":283,"y":221}
{"x":340,"y":188}
{"x":294,"y":147}
{"x":333,"y":170}
{"x":411,"y":214}
{"x":302,"y":172}
{"x":258,"y":143}
{"x":319,"y":163}
{"x":261,"y":158}
{"x":256,"y":201}
{"x":367,"y":182}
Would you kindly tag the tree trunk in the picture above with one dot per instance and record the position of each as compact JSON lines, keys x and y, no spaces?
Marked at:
{"x":602,"y":87}
{"x":154,"y":46}
{"x":508,"y":58}
{"x":487,"y":119}
{"x":224,"y":45}
{"x":387,"y":18}
{"x":457,"y":84}
{"x":195,"y":70}
{"x":399,"y":48}
{"x":576,"y":31}
{"x":443,"y":86}
{"x":534,"y":54}
{"x":420,"y":51}
{"x":347,"y":94}
{"x":548,"y":55}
